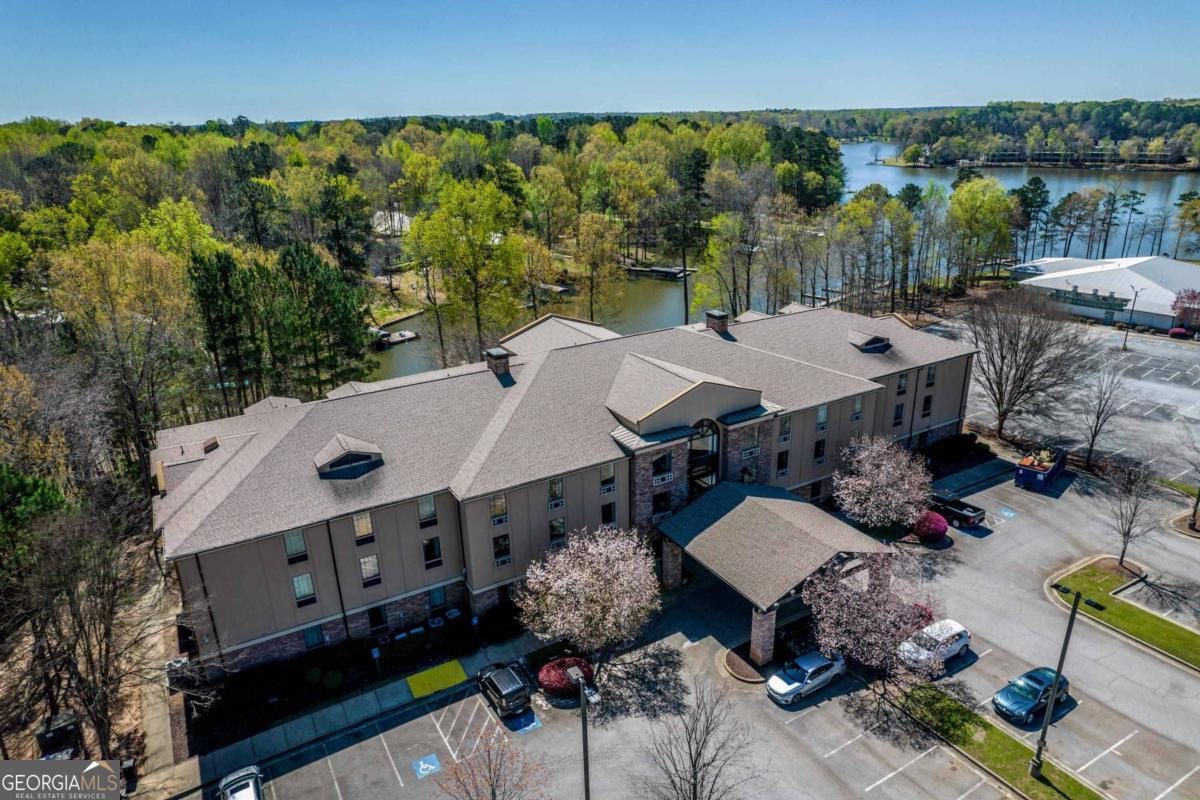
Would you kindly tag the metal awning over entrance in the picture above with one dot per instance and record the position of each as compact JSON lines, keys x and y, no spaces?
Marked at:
{"x":761,"y":540}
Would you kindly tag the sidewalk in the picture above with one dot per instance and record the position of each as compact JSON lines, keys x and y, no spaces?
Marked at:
{"x":967,"y":481}
{"x":169,"y":779}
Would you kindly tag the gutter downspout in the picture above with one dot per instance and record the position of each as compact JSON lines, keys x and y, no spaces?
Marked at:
{"x":962,"y":406}
{"x":462,"y":543}
{"x":337,"y":580}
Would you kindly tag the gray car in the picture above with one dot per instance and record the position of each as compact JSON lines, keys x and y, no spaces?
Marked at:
{"x":805,"y":675}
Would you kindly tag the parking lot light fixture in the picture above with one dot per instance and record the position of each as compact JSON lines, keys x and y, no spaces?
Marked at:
{"x":1035,"y":763}
{"x":1132,"y":307}
{"x":576,"y":674}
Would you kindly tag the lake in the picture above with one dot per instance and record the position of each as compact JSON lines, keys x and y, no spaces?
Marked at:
{"x":649,"y":303}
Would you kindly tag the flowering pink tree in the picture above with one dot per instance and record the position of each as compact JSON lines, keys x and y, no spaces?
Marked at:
{"x":1187,"y":307}
{"x":865,"y":608}
{"x":596,"y":592}
{"x":881,"y":483}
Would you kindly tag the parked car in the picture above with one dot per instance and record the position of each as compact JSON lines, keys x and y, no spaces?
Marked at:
{"x":1025,"y":696}
{"x":957,"y":512}
{"x":245,"y":784}
{"x":506,"y":687}
{"x":803,"y":676}
{"x":935,"y":643}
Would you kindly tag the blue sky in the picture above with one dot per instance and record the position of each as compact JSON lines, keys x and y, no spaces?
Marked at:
{"x":190,"y":61}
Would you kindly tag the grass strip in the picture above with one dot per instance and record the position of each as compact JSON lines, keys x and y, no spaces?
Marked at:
{"x":1179,"y":486}
{"x":1095,"y":582}
{"x":1003,"y":754}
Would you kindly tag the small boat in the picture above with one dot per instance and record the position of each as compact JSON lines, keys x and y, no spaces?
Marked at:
{"x":385,"y":339}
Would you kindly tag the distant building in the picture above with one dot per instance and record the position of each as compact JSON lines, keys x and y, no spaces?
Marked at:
{"x":389,"y":224}
{"x":1104,"y":289}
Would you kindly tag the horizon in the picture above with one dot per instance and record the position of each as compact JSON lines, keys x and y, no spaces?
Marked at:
{"x":140,"y":64}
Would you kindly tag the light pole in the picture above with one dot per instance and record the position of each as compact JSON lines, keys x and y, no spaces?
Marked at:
{"x":1133,"y":305}
{"x":1035,"y":764}
{"x":576,"y":674}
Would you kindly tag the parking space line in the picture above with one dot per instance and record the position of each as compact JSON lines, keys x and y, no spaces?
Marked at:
{"x":1147,"y":372}
{"x":796,"y":717}
{"x":852,"y":741}
{"x":896,"y":772}
{"x":446,"y":741}
{"x":467,"y":728}
{"x":1160,"y":405}
{"x":1106,"y":752}
{"x":1177,"y":783}
{"x":337,"y":789}
{"x":271,"y":786}
{"x":388,"y":751}
{"x":968,"y":791}
{"x":1134,"y":400}
{"x":1180,"y":475}
{"x":984,"y":653}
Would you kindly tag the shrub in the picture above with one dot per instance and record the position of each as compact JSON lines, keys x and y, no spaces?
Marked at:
{"x":930,"y":527}
{"x":1178,"y":333}
{"x":553,"y":676}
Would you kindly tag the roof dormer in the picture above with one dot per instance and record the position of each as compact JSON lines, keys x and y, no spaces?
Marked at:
{"x":347,"y":458}
{"x":868,"y":342}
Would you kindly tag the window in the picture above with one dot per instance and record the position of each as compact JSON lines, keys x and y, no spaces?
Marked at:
{"x":927,"y":406}
{"x":662,"y":465}
{"x":313,"y":637}
{"x":704,"y":458}
{"x":554,"y":493}
{"x":661,"y":503}
{"x":432,"y":550}
{"x":898,"y":414}
{"x":499,"y":506}
{"x":302,"y":588}
{"x":293,"y":545}
{"x":368,"y":567}
{"x":819,"y":451}
{"x":901,"y":383}
{"x":427,"y":511}
{"x":502,"y":549}
{"x":785,"y":429}
{"x":931,"y":374}
{"x":856,"y":414}
{"x":437,"y":597}
{"x":814,"y":491}
{"x":377,"y":618}
{"x":558,"y":532}
{"x":608,"y":514}
{"x":822,"y":418}
{"x":781,"y":463}
{"x":364,"y":531}
{"x":608,"y":478}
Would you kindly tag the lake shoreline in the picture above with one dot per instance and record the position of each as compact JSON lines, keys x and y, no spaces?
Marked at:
{"x":1168,"y":169}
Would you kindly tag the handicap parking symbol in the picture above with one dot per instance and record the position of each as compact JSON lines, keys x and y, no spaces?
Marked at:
{"x":526,"y":723}
{"x":426,"y":765}
{"x":1007,"y":512}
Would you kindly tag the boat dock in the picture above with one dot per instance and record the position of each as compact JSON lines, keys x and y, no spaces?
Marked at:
{"x":661,"y":273}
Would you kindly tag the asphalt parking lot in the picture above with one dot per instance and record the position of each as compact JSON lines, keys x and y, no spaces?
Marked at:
{"x":1162,"y":394}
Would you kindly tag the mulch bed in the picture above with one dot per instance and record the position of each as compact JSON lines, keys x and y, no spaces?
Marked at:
{"x":738,"y":664}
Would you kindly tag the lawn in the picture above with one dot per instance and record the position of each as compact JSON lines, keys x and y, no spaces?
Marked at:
{"x":1095,"y":581}
{"x":991,"y":746}
{"x":1179,"y":486}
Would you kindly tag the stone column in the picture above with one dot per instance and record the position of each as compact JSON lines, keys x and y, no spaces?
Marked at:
{"x":672,"y":565}
{"x":762,"y":636}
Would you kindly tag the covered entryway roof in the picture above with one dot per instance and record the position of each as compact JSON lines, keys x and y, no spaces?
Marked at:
{"x":761,"y":540}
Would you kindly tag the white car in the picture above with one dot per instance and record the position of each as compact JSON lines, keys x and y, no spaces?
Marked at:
{"x":805,"y":675}
{"x":245,"y":784}
{"x":937,"y":642}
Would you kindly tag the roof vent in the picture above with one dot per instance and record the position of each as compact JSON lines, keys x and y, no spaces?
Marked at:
{"x":868,"y":342}
{"x":346,"y":458}
{"x":716,"y":321}
{"x":211,"y":444}
{"x":497,"y":360}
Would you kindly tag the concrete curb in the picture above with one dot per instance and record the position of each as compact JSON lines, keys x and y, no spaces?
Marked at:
{"x":722,"y":655}
{"x":1179,"y":526}
{"x":1055,"y":598}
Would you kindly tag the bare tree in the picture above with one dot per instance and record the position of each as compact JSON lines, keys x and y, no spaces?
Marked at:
{"x":497,"y":770}
{"x":881,"y":483}
{"x":1191,"y":454}
{"x":1097,"y":404}
{"x":1130,"y":519}
{"x":1030,"y":355}
{"x":701,"y":754}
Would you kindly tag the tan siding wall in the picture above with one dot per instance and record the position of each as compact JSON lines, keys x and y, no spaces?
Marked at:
{"x":707,"y":401}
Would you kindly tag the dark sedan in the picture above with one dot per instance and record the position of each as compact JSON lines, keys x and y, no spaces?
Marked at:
{"x":1023,"y":698}
{"x":958,"y":513}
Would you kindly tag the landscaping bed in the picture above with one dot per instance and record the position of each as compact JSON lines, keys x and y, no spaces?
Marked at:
{"x":989,"y":745}
{"x":1096,"y":580}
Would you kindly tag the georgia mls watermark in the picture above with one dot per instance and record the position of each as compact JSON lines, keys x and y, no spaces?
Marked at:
{"x":59,"y":780}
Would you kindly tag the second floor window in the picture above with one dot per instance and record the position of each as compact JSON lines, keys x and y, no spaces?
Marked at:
{"x":554,"y":493}
{"x":785,"y":429}
{"x":898,"y":414}
{"x":819,"y":451}
{"x":499,"y":509}
{"x":502,"y":549}
{"x":302,"y":588}
{"x":822,"y":418}
{"x":931,"y":375}
{"x":662,"y":465}
{"x":901,"y":383}
{"x":856,"y":413}
{"x":608,"y":477}
{"x":368,"y":567}
{"x":427,"y":511}
{"x":431,"y":549}
{"x":293,"y":545}
{"x":558,"y":532}
{"x":927,"y":406}
{"x":364,"y":530}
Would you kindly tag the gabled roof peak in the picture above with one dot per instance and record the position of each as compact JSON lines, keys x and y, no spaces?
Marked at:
{"x":334,"y":454}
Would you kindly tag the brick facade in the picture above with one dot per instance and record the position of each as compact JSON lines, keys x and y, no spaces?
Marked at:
{"x":756,"y":469}
{"x":762,"y":636}
{"x":641,"y":482}
{"x":482,"y":601}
